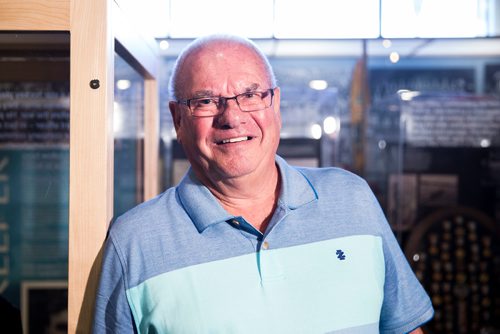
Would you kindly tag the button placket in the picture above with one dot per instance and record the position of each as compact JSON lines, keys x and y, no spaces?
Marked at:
{"x":244,"y":229}
{"x":271,"y":270}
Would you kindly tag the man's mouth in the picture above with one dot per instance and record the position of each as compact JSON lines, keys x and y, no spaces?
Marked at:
{"x":234,"y":140}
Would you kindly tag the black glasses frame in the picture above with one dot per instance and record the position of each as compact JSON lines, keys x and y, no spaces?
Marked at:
{"x":222,"y":101}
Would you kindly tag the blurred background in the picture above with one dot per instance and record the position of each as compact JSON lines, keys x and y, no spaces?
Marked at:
{"x":405,"y":93}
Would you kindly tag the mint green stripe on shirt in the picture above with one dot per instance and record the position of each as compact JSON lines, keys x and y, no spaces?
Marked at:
{"x":320,"y":287}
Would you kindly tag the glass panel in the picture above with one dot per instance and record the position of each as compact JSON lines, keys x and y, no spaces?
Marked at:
{"x":433,"y":154}
{"x":450,"y":150}
{"x":326,"y":19}
{"x":34,"y":180}
{"x":320,"y":86}
{"x":167,"y":131}
{"x":192,"y":18}
{"x":128,"y":121}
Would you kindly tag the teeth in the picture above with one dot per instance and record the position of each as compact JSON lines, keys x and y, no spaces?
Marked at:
{"x":234,"y":140}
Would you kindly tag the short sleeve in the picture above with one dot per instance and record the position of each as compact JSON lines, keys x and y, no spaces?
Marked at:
{"x":112,"y":312}
{"x":406,"y":305}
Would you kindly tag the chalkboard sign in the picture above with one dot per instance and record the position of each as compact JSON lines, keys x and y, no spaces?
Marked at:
{"x":452,"y":121}
{"x":36,"y":112}
{"x":34,"y":184}
{"x":387,"y":82}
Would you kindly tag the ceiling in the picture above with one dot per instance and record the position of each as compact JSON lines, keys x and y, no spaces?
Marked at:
{"x":474,"y":47}
{"x":471,"y":47}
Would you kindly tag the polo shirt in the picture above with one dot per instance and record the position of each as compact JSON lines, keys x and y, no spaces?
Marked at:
{"x":328,"y":262}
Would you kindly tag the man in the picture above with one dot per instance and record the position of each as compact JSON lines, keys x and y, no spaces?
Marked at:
{"x":246,"y":243}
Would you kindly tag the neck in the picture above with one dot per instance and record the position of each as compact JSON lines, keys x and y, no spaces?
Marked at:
{"x":251,"y":197}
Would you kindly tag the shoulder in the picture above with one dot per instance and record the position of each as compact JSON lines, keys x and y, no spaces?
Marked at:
{"x":145,"y":216}
{"x":140,"y":238}
{"x":334,"y":179}
{"x":345,"y":198}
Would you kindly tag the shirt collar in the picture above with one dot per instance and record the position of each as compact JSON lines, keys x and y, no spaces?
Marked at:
{"x":204,"y":209}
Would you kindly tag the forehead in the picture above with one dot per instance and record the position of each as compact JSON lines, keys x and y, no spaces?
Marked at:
{"x":223,"y":68}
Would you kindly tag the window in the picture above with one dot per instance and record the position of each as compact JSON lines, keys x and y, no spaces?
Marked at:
{"x":427,"y":18}
{"x":191,"y":18}
{"x":326,"y":19}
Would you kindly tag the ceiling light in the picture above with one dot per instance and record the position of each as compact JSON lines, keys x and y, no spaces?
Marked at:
{"x":394,"y":57}
{"x":164,"y":44}
{"x":316,"y":131}
{"x":318,"y":84}
{"x":331,"y":125}
{"x":485,"y":143}
{"x":123,"y":84}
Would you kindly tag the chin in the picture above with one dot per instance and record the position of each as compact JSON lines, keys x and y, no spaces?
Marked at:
{"x":233,"y":170}
{"x":243,"y":166}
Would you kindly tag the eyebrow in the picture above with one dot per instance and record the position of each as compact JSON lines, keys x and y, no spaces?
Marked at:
{"x":210,"y":93}
{"x":203,"y":93}
{"x":252,"y":87}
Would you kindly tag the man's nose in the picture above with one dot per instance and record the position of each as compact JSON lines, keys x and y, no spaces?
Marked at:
{"x":231,"y":115}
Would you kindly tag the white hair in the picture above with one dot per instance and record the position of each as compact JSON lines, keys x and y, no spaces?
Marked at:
{"x":200,"y":43}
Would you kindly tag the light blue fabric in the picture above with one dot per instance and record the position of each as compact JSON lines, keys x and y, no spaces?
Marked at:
{"x":272,"y":292}
{"x":181,"y":264}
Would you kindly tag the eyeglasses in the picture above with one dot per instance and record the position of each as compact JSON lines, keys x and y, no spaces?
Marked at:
{"x":212,"y":106}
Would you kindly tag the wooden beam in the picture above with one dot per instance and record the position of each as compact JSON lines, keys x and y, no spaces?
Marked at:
{"x":91,"y":153}
{"x":151,"y":139}
{"x":48,"y":15}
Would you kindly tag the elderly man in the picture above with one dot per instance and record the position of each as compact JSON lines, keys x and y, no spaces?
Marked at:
{"x":246,"y":243}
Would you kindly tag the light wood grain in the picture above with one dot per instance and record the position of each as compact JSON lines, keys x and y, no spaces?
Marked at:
{"x":151,"y":139}
{"x":46,"y":15}
{"x":90,"y":23}
{"x":91,"y":153}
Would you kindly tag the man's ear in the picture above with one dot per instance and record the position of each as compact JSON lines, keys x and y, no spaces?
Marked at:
{"x":176,"y":114}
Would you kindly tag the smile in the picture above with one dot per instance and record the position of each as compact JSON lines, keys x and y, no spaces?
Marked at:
{"x":234,"y":140}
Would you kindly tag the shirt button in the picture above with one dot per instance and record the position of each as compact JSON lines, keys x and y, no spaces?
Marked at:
{"x":265,"y":245}
{"x":235,"y":222}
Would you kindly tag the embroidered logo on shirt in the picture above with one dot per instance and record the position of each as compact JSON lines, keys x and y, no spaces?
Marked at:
{"x":340,"y":254}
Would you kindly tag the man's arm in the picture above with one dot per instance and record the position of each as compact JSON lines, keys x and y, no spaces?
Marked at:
{"x":112,"y":313}
{"x":403,"y":293}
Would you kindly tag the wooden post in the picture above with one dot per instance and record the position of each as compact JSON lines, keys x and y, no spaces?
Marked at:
{"x":91,"y":153}
{"x":93,"y":25}
{"x":151,"y":138}
{"x":360,"y":96}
